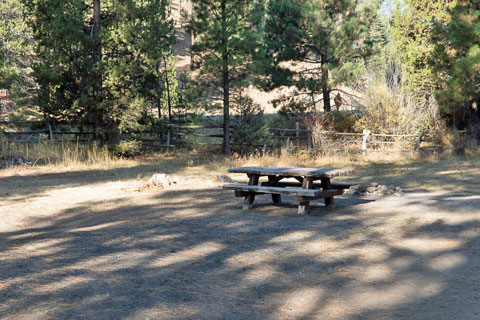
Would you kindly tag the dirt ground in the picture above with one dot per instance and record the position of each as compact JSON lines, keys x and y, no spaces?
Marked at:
{"x":83,"y":244}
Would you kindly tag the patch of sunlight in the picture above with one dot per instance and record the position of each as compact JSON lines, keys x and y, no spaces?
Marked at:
{"x":241,"y":226}
{"x":378,"y":272}
{"x":260,"y":274}
{"x":187,"y":213}
{"x":114,"y":261}
{"x":456,"y":171}
{"x":469,"y":234}
{"x":190,"y":254}
{"x":246,"y":259}
{"x":44,"y":247}
{"x":373,"y":253}
{"x":62,"y":284}
{"x":462,"y":198}
{"x":357,"y":299}
{"x":447,"y":261}
{"x":319,"y":246}
{"x":95,"y":299}
{"x":299,"y":303}
{"x":31,"y":234}
{"x":292,"y":236}
{"x":97,"y":227}
{"x":427,"y":245}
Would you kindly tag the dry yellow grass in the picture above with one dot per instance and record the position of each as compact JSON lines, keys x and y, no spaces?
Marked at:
{"x":406,"y":170}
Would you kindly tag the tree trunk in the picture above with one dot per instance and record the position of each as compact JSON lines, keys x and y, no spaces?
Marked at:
{"x":167,"y":83}
{"x":325,"y":89}
{"x":226,"y":85}
{"x":326,"y":92}
{"x":97,"y":57}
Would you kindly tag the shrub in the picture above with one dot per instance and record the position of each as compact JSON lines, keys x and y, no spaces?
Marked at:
{"x":249,"y":126}
{"x":127,"y":148}
{"x":394,"y":110}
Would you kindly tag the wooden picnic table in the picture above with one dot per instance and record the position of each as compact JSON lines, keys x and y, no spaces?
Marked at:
{"x":304,"y":189}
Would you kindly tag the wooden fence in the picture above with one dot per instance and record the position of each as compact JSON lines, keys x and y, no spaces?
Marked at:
{"x":285,"y":139}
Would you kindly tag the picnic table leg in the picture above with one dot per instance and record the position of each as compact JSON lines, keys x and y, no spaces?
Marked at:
{"x":326,"y":185}
{"x":248,"y":202}
{"x":303,"y":203}
{"x":273,"y":181}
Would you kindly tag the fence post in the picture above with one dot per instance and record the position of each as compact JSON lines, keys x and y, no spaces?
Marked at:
{"x":309,"y":141}
{"x":50,"y":131}
{"x":366,"y":133}
{"x":297,"y":134}
{"x":418,"y":141}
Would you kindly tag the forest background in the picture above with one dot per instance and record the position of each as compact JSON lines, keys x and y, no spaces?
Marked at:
{"x":113,"y":66}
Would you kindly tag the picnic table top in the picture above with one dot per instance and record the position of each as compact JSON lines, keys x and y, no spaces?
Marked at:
{"x":294,"y":172}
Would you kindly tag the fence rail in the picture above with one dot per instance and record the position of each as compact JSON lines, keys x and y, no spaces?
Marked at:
{"x":285,"y":139}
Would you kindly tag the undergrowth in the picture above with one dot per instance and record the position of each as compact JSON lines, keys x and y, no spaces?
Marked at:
{"x":61,"y":153}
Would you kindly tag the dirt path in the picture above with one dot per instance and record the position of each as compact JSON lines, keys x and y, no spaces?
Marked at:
{"x":76,"y":247}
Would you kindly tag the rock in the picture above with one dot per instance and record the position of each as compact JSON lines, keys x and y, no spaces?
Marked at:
{"x":391,"y":187}
{"x":374,"y":184}
{"x":371,"y":189}
{"x":398,"y":189}
{"x":159,"y":180}
{"x":223,"y":178}
{"x":15,"y":160}
{"x":398,"y":194}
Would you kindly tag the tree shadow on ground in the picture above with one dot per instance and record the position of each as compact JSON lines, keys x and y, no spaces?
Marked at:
{"x":194,"y":254}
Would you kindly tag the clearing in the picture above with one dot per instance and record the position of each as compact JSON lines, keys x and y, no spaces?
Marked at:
{"x":81,"y":243}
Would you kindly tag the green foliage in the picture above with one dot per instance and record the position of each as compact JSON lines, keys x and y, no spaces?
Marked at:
{"x":456,"y":63}
{"x":249,"y":127}
{"x":16,"y":44}
{"x":127,"y":148}
{"x":190,"y":102}
{"x":342,"y":121}
{"x":98,"y":73}
{"x":396,"y":111}
{"x":413,"y":21}
{"x":227,"y":35}
{"x":316,"y":45}
{"x":169,"y":99}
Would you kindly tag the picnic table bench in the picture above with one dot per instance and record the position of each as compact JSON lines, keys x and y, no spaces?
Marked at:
{"x":304,"y":189}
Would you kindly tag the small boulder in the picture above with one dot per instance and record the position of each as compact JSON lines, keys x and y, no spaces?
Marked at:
{"x":159,"y":180}
{"x":223,"y":178}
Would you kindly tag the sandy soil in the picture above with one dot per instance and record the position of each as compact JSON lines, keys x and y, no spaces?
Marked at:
{"x":86,"y":245}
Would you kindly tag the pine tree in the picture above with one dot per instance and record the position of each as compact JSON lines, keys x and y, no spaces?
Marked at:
{"x":226,"y":37}
{"x":97,"y":58}
{"x":456,"y":64}
{"x":16,"y":42}
{"x":316,"y":45}
{"x":169,"y":98}
{"x":413,"y":21}
{"x":249,"y":127}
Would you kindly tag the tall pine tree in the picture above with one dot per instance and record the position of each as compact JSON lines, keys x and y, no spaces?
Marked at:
{"x":16,"y":43}
{"x":226,"y":37}
{"x":96,"y":57}
{"x":316,"y":45}
{"x":456,"y":63}
{"x":413,"y":21}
